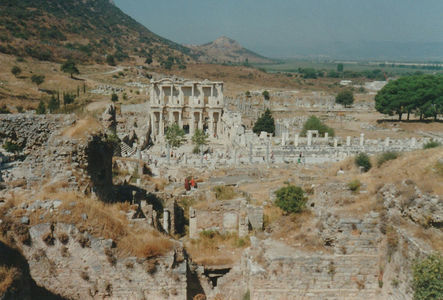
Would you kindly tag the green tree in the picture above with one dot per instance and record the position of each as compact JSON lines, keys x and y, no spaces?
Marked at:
{"x":148,"y":60}
{"x":266,"y":95}
{"x":427,"y":280}
{"x":175,"y":135}
{"x":110,"y":60}
{"x":340,"y":68}
{"x":41,"y":108}
{"x":199,"y":139}
{"x":345,"y":98}
{"x":248,"y":94}
{"x":53,"y":104}
{"x":314,"y":123}
{"x":114,"y":97}
{"x":265,"y":123}
{"x":68,"y":98}
{"x":70,"y":68}
{"x":38,"y":79}
{"x":291,"y":199}
{"x":420,"y":94}
{"x":16,"y":71}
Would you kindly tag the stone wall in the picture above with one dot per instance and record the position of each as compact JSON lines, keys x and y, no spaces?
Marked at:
{"x":229,"y":216}
{"x":87,"y":273}
{"x":31,"y":131}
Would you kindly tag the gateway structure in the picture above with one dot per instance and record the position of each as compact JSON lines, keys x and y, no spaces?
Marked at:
{"x":190,"y":104}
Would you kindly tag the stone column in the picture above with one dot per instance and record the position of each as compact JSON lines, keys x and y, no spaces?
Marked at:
{"x":166,"y":220}
{"x":296,"y":140}
{"x":283,"y":138}
{"x":326,"y":136}
{"x":362,"y":139}
{"x":250,"y":153}
{"x":192,"y":125}
{"x":413,"y":142}
{"x":193,"y":234}
{"x":211,"y":124}
{"x":348,"y":141}
{"x":153,"y":133}
{"x":180,"y":121}
{"x":335,"y":143}
{"x":387,"y":141}
{"x":309,"y":138}
{"x":140,"y":161}
{"x":171,"y":117}
{"x":162,"y":126}
{"x":200,"y":121}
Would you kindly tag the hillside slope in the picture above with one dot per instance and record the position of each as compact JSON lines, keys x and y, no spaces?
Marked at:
{"x":86,"y":30}
{"x":226,"y":50}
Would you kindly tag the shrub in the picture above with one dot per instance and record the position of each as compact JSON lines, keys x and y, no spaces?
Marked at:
{"x":291,"y":199}
{"x":20,"y":109}
{"x":266,"y":95}
{"x":431,"y":144}
{"x":354,"y":185}
{"x":114,"y":97}
{"x":41,"y":108}
{"x":362,"y":160}
{"x":16,"y":71}
{"x":4,"y":109}
{"x":314,"y":123}
{"x":110,"y":60}
{"x":12,"y":147}
{"x":384,"y":157}
{"x":427,"y":280}
{"x":38,"y":79}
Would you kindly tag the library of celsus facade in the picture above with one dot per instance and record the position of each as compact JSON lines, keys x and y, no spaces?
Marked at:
{"x":190,"y":104}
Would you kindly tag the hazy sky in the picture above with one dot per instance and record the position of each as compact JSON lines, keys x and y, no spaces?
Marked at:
{"x":279,"y":28}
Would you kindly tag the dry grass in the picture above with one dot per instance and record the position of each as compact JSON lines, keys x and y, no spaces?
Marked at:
{"x":7,"y":277}
{"x":82,"y":128}
{"x":214,"y":249}
{"x":104,"y":220}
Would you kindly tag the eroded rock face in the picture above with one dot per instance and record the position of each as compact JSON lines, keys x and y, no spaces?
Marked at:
{"x":79,"y":266}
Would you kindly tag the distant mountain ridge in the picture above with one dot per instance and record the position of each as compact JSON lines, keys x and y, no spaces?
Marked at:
{"x":86,"y":30}
{"x":227,"y":50}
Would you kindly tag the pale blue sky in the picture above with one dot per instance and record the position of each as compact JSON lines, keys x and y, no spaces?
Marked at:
{"x":283,"y":28}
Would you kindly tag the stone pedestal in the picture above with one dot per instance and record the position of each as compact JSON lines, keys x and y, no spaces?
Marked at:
{"x":362,"y":139}
{"x":348,"y":141}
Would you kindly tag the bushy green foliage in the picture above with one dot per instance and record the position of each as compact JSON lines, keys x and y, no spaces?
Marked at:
{"x":340,"y":67}
{"x":384,"y":157}
{"x":12,"y":147}
{"x":41,"y":108}
{"x":428,"y":278}
{"x":4,"y":109}
{"x":70,"y":68}
{"x":345,"y":98}
{"x":419,"y":94}
{"x":114,"y":97}
{"x":16,"y":71}
{"x":431,"y":144}
{"x":68,"y":98}
{"x":266,"y":95}
{"x":291,"y":199}
{"x":248,"y":94}
{"x":38,"y":79}
{"x":354,"y":185}
{"x":265,"y":123}
{"x":362,"y":160}
{"x":175,"y":135}
{"x":199,"y":139}
{"x":110,"y":60}
{"x":314,"y":123}
{"x":53,"y":105}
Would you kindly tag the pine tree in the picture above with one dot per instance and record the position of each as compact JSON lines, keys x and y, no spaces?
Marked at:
{"x":265,"y":123}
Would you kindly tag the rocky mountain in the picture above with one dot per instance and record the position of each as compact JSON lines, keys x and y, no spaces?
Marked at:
{"x":86,"y":30}
{"x":226,"y":50}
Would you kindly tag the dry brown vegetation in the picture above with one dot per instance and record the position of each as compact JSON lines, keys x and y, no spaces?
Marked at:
{"x":7,"y":277}
{"x":103,"y":220}
{"x":214,"y":249}
{"x":82,"y":128}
